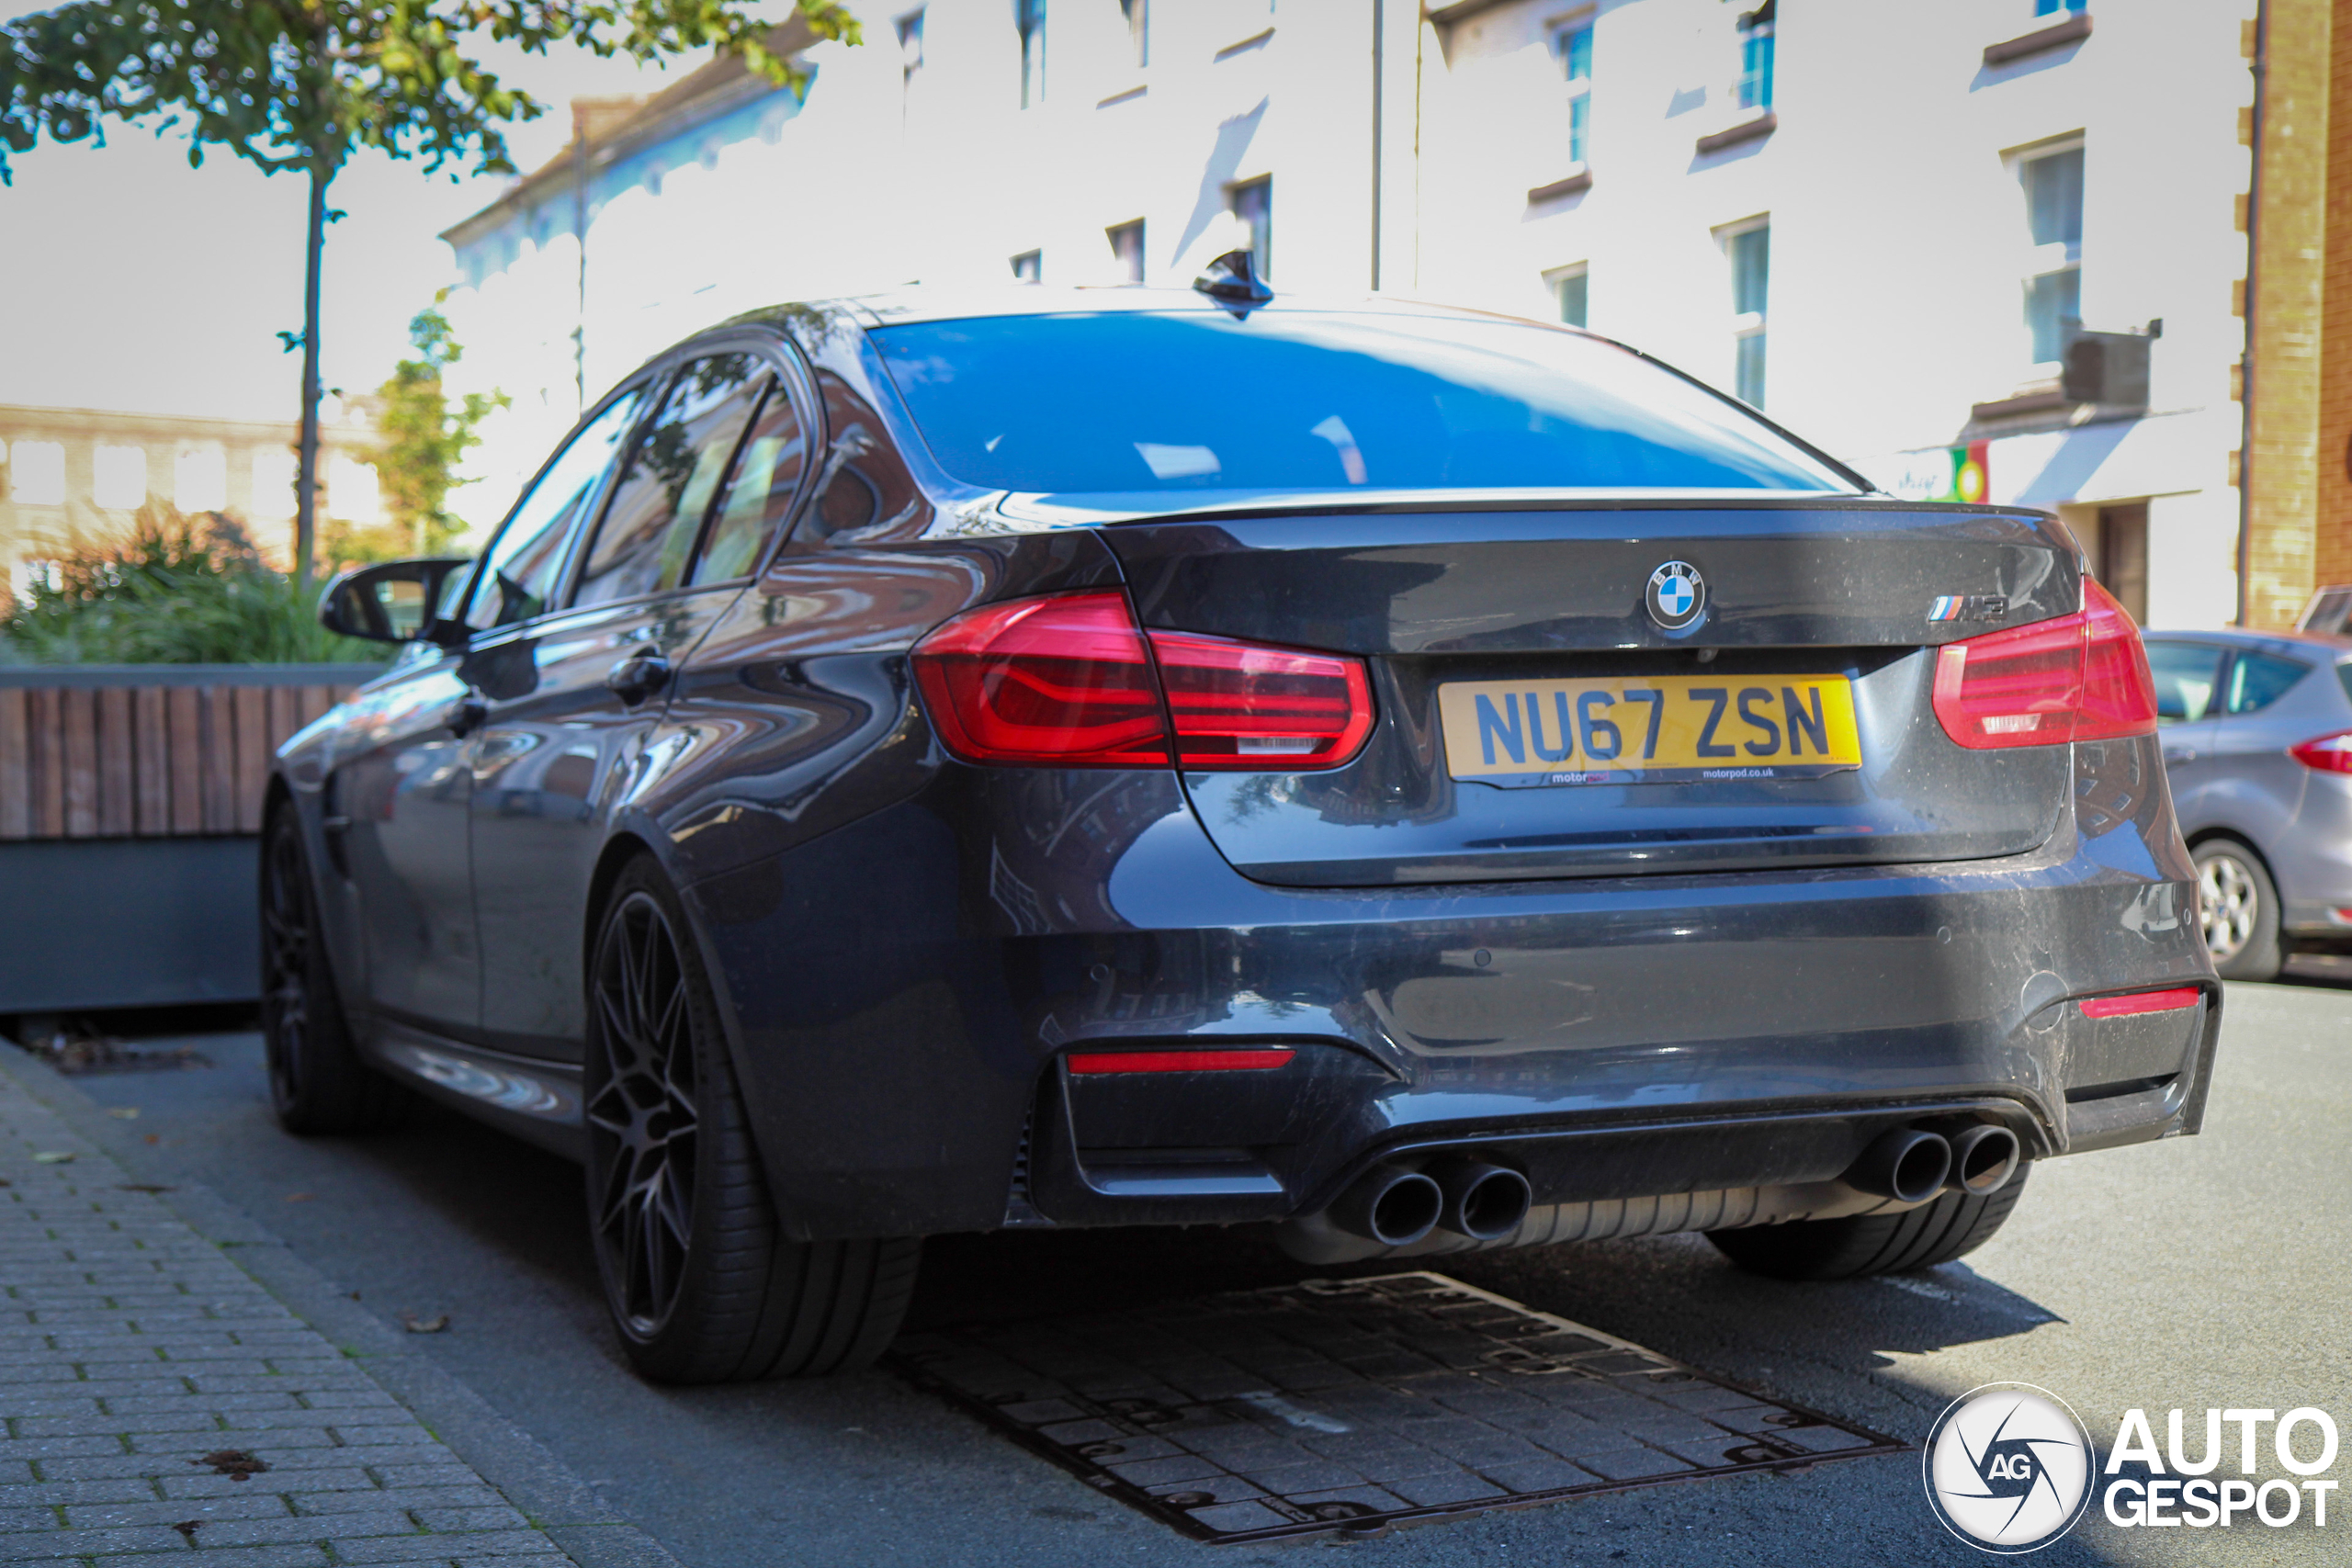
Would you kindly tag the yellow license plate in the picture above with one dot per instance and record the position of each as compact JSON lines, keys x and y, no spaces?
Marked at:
{"x":1648,"y":729}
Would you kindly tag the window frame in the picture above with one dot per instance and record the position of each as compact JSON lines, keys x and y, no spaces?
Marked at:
{"x":1261,"y":234}
{"x":1559,"y":38}
{"x":2035,"y":264}
{"x":1756,"y":26}
{"x":786,"y":372}
{"x":1749,"y":325}
{"x":653,"y":380}
{"x":1116,"y":233}
{"x":1558,"y":278}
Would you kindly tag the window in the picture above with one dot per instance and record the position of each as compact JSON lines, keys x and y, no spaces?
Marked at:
{"x":37,"y":473}
{"x":274,"y":470}
{"x":1113,"y":401}
{"x":1126,"y":244}
{"x":2257,"y":679}
{"x":200,"y":479}
{"x":1138,"y":14}
{"x":909,"y":49}
{"x":1572,"y":47}
{"x":1751,"y":250}
{"x":1569,"y":286}
{"x":1755,"y":88}
{"x":519,"y":574}
{"x":1253,"y":202}
{"x":118,"y":478}
{"x":1029,"y":17}
{"x":759,"y":494}
{"x":671,"y":478}
{"x":865,"y":492}
{"x":1029,"y":266}
{"x":2123,"y":557}
{"x":2054,"y":289}
{"x":2052,"y":7}
{"x":2186,"y":674}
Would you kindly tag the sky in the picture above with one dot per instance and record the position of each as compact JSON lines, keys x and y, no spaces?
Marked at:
{"x":129,"y":281}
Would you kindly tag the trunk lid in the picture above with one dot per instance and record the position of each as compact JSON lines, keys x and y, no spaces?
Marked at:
{"x":1537,"y":604}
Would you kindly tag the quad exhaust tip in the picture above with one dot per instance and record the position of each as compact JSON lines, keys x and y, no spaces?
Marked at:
{"x":1906,"y":1163}
{"x":1485,"y":1202}
{"x":1389,"y":1205}
{"x":1984,"y":1158}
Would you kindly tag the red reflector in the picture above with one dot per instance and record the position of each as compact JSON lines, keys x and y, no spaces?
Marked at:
{"x":1069,"y":682}
{"x":2081,"y":677}
{"x":1178,"y":1061}
{"x":2140,"y":1001}
{"x":2328,"y":754}
{"x":1238,"y":704}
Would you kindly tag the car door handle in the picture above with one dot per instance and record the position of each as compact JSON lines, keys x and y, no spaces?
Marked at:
{"x":467,"y":714}
{"x":638,"y":677}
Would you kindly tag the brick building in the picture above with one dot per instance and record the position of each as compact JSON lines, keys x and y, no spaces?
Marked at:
{"x":2298,"y":471}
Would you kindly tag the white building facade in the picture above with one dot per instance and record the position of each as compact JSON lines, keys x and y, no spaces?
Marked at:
{"x":1886,"y":222}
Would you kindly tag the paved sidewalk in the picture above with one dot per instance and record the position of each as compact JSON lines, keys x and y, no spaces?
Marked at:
{"x":156,"y":1399}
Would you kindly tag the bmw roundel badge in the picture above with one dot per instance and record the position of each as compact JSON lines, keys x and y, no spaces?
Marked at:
{"x":1677,"y":595}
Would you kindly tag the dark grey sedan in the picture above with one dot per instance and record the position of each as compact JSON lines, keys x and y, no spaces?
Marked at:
{"x":1415,"y":780}
{"x":2257,"y":738}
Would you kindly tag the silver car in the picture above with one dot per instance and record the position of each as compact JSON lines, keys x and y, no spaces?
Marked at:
{"x":2257,"y":740}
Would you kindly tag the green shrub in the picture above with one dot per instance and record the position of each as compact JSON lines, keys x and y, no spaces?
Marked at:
{"x":180,"y":590}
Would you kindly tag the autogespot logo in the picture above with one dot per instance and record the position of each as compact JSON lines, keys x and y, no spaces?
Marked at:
{"x":2008,"y":1468}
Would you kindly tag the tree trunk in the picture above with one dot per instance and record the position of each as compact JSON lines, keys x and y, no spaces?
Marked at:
{"x":306,"y":485}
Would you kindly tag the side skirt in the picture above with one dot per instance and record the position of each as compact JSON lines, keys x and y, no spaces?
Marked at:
{"x":537,"y":1101}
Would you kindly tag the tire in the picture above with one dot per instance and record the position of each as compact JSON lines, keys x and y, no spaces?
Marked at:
{"x":317,"y":1082}
{"x":2237,"y":904}
{"x":702,"y":1284}
{"x":1937,"y":1232}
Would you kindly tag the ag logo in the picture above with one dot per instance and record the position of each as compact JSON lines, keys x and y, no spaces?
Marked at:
{"x":2008,"y":1468}
{"x":1677,"y":595}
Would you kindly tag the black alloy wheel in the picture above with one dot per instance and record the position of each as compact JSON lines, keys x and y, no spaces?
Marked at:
{"x":642,"y":1121}
{"x":701,"y":1282}
{"x":317,"y":1082}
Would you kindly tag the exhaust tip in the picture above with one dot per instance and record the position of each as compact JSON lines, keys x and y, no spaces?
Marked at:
{"x":1984,"y":1158}
{"x":1485,"y":1202}
{"x":1393,"y":1207}
{"x":1905,"y":1163}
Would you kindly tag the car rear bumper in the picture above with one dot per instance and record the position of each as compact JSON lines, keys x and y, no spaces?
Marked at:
{"x":907,"y":1005}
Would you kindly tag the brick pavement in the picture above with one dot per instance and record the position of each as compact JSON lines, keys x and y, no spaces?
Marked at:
{"x":141,"y":1367}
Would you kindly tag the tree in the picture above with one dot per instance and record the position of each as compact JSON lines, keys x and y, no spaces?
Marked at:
{"x":424,"y":438}
{"x":300,"y":85}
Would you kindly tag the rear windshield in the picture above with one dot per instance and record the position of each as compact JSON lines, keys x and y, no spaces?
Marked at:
{"x":1140,"y":402}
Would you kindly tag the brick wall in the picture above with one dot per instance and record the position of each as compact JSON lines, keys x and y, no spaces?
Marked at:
{"x":2331,"y":533}
{"x":2289,"y":294}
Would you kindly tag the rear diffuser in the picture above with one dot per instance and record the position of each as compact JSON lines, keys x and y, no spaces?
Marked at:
{"x":1348,"y":1406}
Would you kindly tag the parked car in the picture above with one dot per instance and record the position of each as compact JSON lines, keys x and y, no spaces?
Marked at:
{"x":1422,"y":780}
{"x":2257,"y":738}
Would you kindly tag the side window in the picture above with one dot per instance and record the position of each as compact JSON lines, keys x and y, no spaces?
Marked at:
{"x":519,"y":574}
{"x":672,"y":477}
{"x":864,"y":492}
{"x":2186,"y":674}
{"x":759,"y":494}
{"x":2257,"y":679}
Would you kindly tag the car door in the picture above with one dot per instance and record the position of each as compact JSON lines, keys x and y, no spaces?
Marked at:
{"x":564,"y":734}
{"x":2189,"y":680}
{"x":2254,"y":788}
{"x":398,"y":810}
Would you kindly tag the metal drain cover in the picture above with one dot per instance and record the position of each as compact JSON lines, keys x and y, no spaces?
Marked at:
{"x":1345,"y":1404}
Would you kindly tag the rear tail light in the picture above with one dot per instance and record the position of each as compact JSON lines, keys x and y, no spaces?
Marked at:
{"x":1072,"y":681}
{"x":2081,"y":677}
{"x":2138,"y":1002}
{"x":2328,"y":754}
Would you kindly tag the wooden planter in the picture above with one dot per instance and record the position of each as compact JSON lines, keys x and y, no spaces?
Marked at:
{"x":130,"y":797}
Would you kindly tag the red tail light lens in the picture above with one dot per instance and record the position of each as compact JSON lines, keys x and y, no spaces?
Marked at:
{"x":1239,"y":705}
{"x":2137,"y":1003}
{"x":2081,"y":677}
{"x":2328,"y":754}
{"x":1070,"y":681}
{"x":1064,"y":682}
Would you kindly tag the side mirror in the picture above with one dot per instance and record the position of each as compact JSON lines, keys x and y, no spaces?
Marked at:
{"x":395,"y":601}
